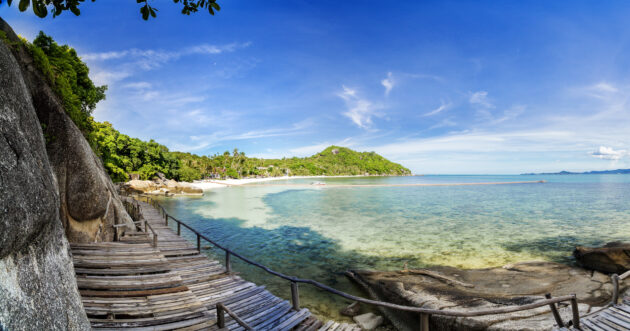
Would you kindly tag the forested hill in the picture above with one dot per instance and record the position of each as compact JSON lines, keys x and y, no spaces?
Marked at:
{"x":123,"y":155}
{"x":333,"y":161}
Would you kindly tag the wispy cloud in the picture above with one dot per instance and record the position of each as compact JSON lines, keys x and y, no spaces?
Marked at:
{"x":388,"y":83}
{"x":608,"y":153}
{"x":360,"y":110}
{"x":113,"y":66}
{"x":218,"y":137}
{"x":602,"y":90}
{"x":443,"y":106}
{"x":161,"y":56}
{"x":480,"y":98}
{"x":138,"y":85}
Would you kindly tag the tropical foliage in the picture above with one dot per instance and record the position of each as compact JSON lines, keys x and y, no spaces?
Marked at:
{"x":68,"y":76}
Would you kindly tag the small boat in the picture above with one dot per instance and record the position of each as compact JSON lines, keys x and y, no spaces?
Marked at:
{"x":318,"y":183}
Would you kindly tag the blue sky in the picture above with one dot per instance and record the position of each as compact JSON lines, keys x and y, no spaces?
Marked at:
{"x":443,"y":87}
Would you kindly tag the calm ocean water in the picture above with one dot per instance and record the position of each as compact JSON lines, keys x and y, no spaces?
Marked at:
{"x":319,"y":232}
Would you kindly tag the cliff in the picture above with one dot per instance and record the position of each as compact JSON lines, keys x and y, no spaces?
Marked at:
{"x":89,"y":204}
{"x":50,"y":193}
{"x":38,"y":290}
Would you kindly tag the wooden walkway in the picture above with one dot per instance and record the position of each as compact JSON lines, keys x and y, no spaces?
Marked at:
{"x":615,"y":318}
{"x":132,"y":285}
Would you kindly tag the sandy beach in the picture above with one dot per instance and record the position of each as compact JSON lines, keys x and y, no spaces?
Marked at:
{"x":218,"y":183}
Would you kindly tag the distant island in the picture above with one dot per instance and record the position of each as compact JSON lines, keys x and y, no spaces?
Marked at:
{"x":594,"y":172}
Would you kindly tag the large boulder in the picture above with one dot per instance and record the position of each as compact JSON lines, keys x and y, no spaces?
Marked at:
{"x":613,"y":257}
{"x":38,"y":290}
{"x":89,"y":203}
{"x":479,"y":289}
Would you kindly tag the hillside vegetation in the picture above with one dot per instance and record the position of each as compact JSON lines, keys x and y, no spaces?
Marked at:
{"x":123,"y":155}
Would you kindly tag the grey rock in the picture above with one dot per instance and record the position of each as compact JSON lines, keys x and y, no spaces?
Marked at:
{"x":38,"y":290}
{"x":476,"y":289}
{"x":613,"y":257}
{"x":368,"y":321}
{"x":89,"y":203}
{"x":352,"y":309}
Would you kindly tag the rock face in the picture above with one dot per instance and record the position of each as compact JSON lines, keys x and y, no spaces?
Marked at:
{"x":161,"y":187}
{"x":89,"y":204}
{"x":614,"y":257}
{"x":478,"y":289}
{"x":38,"y":290}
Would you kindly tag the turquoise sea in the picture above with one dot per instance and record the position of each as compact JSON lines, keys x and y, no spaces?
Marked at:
{"x":319,"y":232}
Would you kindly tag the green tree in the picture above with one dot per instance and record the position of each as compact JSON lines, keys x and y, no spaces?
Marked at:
{"x":69,"y":78}
{"x":57,"y":7}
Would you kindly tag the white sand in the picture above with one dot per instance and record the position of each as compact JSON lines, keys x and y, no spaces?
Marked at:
{"x":218,"y":183}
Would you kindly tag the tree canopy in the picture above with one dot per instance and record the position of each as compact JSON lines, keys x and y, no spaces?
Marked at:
{"x":57,"y":7}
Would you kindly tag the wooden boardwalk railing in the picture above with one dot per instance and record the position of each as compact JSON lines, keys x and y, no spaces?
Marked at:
{"x":423,"y":313}
{"x":140,"y":283}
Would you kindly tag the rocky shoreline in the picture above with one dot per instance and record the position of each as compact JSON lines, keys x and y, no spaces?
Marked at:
{"x":167,"y":187}
{"x":448,"y":288}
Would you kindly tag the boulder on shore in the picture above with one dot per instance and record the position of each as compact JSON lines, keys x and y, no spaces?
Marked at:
{"x":38,"y":290}
{"x":161,"y":187}
{"x":613,"y":257}
{"x":455,"y":289}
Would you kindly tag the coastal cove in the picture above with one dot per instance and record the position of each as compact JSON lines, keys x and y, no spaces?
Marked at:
{"x":320,"y":232}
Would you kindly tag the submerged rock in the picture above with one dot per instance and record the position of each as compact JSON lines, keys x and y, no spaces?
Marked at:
{"x":613,"y":257}
{"x":161,"y":187}
{"x":38,"y":290}
{"x":352,"y":309}
{"x":479,"y":289}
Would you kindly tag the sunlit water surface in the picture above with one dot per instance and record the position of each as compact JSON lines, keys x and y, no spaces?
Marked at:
{"x":320,"y":232}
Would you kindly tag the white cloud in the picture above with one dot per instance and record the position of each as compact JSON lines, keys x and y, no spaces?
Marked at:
{"x":388,"y":83}
{"x":608,"y":153}
{"x":360,"y":110}
{"x":161,"y":56}
{"x":138,"y":85}
{"x":604,"y":87}
{"x":443,"y":123}
{"x":204,"y":141}
{"x":443,"y":106}
{"x":480,"y":98}
{"x":106,"y":77}
{"x":133,"y":60}
{"x":602,"y":90}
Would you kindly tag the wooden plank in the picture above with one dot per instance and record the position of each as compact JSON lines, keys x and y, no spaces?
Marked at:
{"x":141,"y":293}
{"x":132,"y":285}
{"x":295,"y":320}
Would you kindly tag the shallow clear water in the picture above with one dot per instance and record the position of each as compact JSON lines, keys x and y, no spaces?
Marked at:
{"x":320,"y":232}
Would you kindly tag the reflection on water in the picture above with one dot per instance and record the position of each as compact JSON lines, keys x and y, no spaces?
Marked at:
{"x":320,"y":232}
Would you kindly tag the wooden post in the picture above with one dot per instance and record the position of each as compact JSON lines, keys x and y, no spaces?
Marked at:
{"x":220,"y":316}
{"x":228,"y":265}
{"x":155,"y":240}
{"x":145,"y":226}
{"x":166,"y":219}
{"x":554,"y":311}
{"x":295,"y":296}
{"x":615,"y":294}
{"x":576,"y":313}
{"x":424,"y":322}
{"x":198,"y":243}
{"x":179,"y":229}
